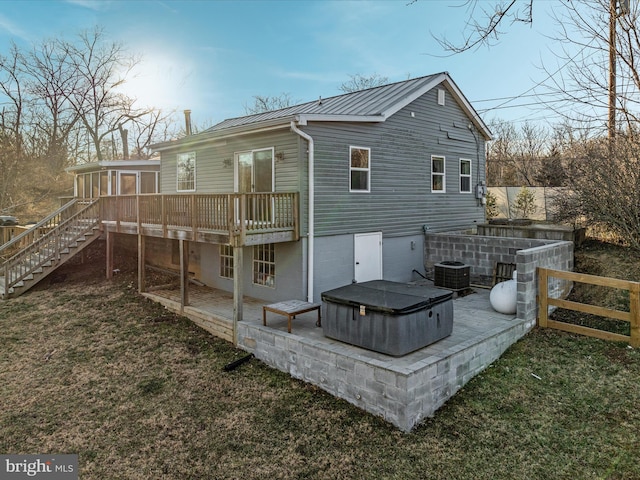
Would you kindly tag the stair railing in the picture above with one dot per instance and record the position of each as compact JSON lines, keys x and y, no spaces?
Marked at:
{"x":28,"y":236}
{"x":49,"y":246}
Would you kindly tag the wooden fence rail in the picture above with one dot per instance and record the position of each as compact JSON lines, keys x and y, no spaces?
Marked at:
{"x":632,"y":316}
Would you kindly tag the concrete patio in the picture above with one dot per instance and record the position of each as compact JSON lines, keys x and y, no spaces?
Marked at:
{"x":402,"y":390}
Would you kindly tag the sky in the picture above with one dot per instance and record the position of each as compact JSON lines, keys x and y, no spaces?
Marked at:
{"x":213,"y":56}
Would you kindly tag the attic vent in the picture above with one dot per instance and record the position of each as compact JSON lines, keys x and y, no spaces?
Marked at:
{"x":440,"y":96}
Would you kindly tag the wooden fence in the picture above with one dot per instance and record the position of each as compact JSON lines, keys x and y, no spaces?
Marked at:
{"x":632,"y":316}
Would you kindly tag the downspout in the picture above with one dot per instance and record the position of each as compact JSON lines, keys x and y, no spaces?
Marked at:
{"x":310,"y":246}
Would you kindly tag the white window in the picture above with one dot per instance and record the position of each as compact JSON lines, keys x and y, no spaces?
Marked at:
{"x":437,"y":174}
{"x":186,"y":172}
{"x":264,"y":265}
{"x":465,"y":175}
{"x":440,"y":96}
{"x":359,"y":169}
{"x":226,"y":261}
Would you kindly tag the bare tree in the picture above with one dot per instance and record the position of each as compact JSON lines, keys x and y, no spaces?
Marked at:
{"x":514,"y":157}
{"x":154,"y":127}
{"x":99,"y":72}
{"x":532,"y":149}
{"x":61,"y":103}
{"x":604,"y":189}
{"x":581,"y":88}
{"x":48,"y":80}
{"x":500,"y":153}
{"x":486,"y":30}
{"x":12,"y":115}
{"x":598,"y":43}
{"x":266,"y":103}
{"x":361,"y":82}
{"x":578,"y":86}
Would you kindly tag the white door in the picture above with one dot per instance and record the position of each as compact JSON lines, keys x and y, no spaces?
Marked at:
{"x":367,"y":256}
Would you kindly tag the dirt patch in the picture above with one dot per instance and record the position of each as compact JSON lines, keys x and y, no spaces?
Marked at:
{"x":608,"y":260}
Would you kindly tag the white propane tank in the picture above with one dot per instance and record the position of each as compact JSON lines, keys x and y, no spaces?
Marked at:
{"x":504,"y":295}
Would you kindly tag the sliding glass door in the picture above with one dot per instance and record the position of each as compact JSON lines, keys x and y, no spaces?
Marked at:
{"x":254,"y":174}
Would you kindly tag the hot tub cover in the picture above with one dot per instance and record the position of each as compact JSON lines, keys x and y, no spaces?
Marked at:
{"x":387,"y":317}
{"x":391,"y":298}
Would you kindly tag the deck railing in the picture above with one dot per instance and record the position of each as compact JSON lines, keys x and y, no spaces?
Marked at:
{"x":235,"y":214}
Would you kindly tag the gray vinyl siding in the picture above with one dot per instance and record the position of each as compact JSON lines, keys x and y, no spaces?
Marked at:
{"x":289,"y":275}
{"x":335,"y":257}
{"x":212,"y":176}
{"x":400,"y":201}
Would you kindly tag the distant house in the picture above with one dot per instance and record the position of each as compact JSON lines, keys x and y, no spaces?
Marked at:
{"x":371,"y":171}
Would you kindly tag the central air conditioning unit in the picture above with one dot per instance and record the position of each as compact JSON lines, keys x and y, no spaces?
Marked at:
{"x":452,"y":275}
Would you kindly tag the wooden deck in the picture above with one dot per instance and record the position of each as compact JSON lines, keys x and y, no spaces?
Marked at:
{"x":236,"y":219}
{"x":211,"y":309}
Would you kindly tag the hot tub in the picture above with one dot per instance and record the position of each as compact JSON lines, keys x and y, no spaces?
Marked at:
{"x":387,"y":317}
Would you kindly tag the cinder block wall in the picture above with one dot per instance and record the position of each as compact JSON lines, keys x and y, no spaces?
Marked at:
{"x":401,"y":393}
{"x":558,"y":256}
{"x":482,"y":253}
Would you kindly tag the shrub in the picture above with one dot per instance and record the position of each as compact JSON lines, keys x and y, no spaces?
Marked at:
{"x":525,"y":203}
{"x":491,"y":207}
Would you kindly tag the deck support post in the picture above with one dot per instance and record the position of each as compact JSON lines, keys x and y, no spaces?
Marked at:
{"x":184,"y":274}
{"x":109,"y":255}
{"x":142,"y":287}
{"x":238,"y":291}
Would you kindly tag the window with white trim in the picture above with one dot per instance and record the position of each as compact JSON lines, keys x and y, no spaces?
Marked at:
{"x":465,"y":175}
{"x":226,"y":261}
{"x":186,"y":172}
{"x":438,"y":183}
{"x":264,"y":265}
{"x":359,"y":169}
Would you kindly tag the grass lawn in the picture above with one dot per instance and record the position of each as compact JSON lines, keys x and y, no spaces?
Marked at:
{"x":89,"y":367}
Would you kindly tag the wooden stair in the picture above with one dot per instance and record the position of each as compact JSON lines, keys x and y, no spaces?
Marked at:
{"x":37,"y":252}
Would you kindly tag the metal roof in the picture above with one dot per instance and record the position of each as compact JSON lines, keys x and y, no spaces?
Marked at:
{"x":371,"y":105}
{"x":370,"y":102}
{"x":114,"y":164}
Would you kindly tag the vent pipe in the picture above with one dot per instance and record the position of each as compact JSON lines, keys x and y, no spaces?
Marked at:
{"x":187,"y":122}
